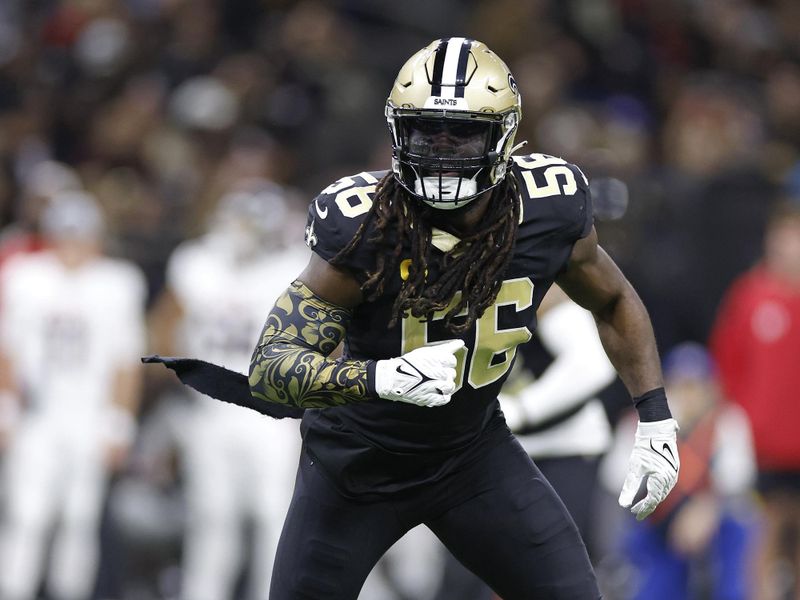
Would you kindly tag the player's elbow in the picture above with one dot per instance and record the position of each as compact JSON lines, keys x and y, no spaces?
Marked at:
{"x":259,"y":367}
{"x":269,"y":377}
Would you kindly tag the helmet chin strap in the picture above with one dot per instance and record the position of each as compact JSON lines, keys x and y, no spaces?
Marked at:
{"x":445,"y":193}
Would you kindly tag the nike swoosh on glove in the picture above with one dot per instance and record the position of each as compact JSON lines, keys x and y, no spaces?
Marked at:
{"x":425,"y":376}
{"x":655,"y":456}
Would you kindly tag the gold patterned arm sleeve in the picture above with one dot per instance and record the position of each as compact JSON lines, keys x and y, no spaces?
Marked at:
{"x":290,"y":365}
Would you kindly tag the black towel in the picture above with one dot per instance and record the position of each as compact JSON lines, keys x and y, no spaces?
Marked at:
{"x":222,"y":384}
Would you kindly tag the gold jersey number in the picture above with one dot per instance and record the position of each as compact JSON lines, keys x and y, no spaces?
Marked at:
{"x":495,"y":348}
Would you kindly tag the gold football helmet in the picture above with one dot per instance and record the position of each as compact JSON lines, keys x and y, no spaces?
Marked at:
{"x":453,"y":112}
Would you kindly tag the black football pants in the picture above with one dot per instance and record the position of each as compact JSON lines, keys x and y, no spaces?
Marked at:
{"x":496,"y":514}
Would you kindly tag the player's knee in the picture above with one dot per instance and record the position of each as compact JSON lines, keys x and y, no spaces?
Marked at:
{"x":322,"y":572}
{"x":541,"y":517}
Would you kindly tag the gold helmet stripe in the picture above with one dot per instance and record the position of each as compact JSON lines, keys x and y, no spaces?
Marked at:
{"x":450,"y":67}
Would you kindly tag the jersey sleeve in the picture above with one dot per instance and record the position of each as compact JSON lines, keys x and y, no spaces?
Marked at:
{"x":584,"y":217}
{"x":335,"y":216}
{"x":556,"y":210}
{"x":556,"y":194}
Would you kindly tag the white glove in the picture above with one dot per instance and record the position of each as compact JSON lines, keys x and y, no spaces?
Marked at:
{"x":655,"y":456}
{"x":425,"y":376}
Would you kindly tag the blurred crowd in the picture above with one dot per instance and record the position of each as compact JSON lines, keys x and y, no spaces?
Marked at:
{"x":173,"y":146}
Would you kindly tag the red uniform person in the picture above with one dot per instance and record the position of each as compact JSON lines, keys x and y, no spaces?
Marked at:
{"x":756,"y":343}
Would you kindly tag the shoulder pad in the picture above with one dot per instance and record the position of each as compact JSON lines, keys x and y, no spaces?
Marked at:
{"x":559,"y":176}
{"x":554,"y":192}
{"x":336,"y":213}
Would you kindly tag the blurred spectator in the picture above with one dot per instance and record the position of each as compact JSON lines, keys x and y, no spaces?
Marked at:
{"x":696,"y":544}
{"x":756,"y":341}
{"x":40,"y":183}
{"x":705,"y":209}
{"x":238,"y":467}
{"x":72,"y":334}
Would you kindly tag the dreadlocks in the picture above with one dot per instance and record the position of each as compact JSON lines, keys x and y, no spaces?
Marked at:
{"x":475,"y":266}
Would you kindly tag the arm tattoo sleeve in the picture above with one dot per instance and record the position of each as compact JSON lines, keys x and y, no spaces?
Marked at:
{"x":290,"y":364}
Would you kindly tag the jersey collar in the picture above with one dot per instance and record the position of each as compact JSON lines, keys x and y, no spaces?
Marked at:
{"x":442,"y":240}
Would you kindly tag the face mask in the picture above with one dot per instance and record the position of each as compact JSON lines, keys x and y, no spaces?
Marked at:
{"x":444,"y":197}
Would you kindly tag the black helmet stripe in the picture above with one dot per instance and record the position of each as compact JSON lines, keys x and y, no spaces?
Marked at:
{"x":450,"y":67}
{"x":461,"y":68}
{"x":438,"y":68}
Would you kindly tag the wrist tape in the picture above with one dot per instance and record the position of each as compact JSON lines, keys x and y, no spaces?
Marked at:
{"x":652,"y":406}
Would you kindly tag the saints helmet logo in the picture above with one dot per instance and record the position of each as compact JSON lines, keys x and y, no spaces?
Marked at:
{"x":311,"y":237}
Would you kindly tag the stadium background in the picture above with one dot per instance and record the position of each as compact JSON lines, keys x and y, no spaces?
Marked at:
{"x":160,"y":106}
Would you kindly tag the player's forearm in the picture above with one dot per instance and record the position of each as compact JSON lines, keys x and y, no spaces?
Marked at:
{"x":627,"y":336}
{"x":290,"y":365}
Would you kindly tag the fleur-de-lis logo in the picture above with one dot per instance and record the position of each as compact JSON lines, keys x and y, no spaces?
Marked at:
{"x":311,"y":237}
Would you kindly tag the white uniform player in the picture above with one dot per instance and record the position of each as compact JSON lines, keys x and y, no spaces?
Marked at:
{"x":72,"y":335}
{"x":240,"y":466}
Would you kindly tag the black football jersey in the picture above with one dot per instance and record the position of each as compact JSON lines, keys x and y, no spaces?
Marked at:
{"x":555,"y":212}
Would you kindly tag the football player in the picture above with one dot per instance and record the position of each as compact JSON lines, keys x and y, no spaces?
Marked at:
{"x":239,"y":470}
{"x":72,"y":331}
{"x":431,"y":274}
